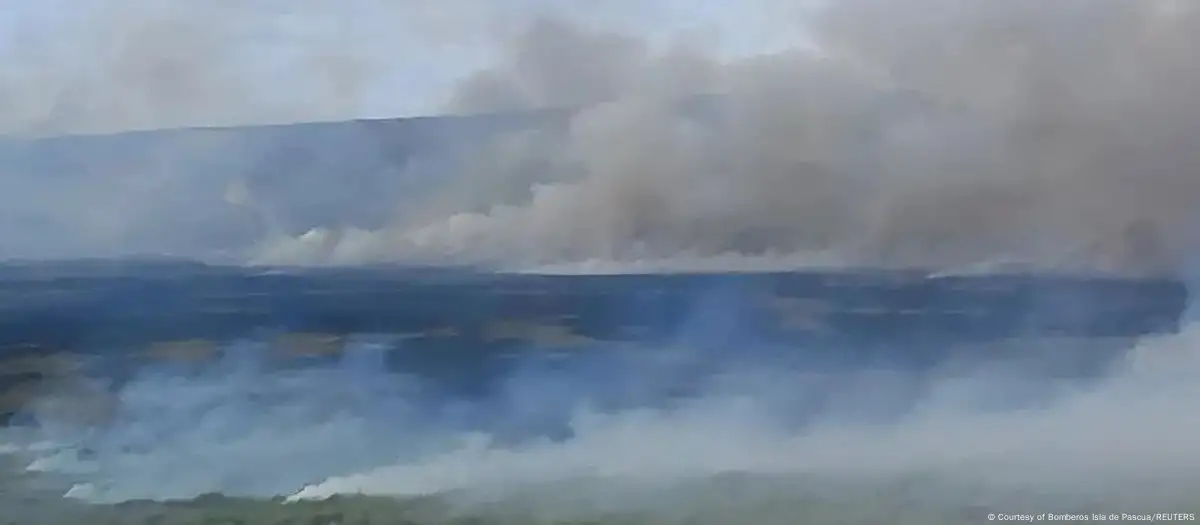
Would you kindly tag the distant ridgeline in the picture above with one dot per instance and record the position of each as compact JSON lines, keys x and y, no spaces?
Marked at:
{"x":328,"y":174}
{"x":306,"y":175}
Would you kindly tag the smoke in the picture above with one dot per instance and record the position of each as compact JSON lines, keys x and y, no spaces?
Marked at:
{"x":87,"y":67}
{"x":916,"y":133}
{"x":632,"y":427}
{"x":1070,"y":443}
{"x":146,"y":65}
{"x":958,"y":135}
{"x":84,"y":66}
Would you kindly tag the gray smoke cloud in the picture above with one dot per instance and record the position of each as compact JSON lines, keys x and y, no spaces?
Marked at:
{"x":85,"y":66}
{"x":916,"y":133}
{"x":956,"y":135}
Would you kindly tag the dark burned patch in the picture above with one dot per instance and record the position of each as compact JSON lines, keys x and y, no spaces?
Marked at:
{"x":30,"y":373}
{"x":18,"y":396}
{"x":61,"y":399}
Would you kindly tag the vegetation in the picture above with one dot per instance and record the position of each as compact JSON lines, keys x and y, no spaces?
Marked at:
{"x":732,"y":499}
{"x":363,"y":510}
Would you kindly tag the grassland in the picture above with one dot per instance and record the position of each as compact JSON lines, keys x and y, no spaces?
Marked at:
{"x":732,"y":499}
{"x":725,"y":507}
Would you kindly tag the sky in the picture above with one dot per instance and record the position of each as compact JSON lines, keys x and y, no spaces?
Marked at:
{"x":407,"y":54}
{"x":100,"y":66}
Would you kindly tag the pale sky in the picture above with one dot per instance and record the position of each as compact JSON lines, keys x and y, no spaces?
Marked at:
{"x":414,"y":49}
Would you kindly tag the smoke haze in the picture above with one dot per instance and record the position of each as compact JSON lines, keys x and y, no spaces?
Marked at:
{"x":597,"y":438}
{"x":913,"y":133}
{"x":962,"y":135}
{"x":949,"y":136}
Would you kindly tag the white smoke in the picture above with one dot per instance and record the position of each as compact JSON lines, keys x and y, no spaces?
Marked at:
{"x":1132,"y":429}
{"x":951,"y":135}
{"x":912,"y":133}
{"x":87,"y":66}
{"x":986,"y":435}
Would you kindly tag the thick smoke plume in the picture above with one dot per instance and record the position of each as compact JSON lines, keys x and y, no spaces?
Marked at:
{"x":918,"y":133}
{"x":911,"y":133}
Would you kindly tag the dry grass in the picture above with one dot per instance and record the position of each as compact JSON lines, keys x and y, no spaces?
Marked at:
{"x":362,"y":510}
{"x":732,"y":499}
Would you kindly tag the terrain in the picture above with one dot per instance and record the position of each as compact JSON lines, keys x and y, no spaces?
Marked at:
{"x":341,"y":363}
{"x":62,"y":319}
